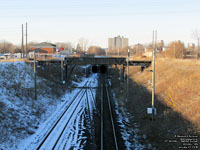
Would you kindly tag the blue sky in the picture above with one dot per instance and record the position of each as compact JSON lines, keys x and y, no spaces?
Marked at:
{"x":96,"y":20}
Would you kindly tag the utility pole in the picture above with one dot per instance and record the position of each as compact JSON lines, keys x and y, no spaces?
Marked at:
{"x":22,"y":41}
{"x":153,"y":73}
{"x":183,"y":51}
{"x":35,"y":82}
{"x":198,"y":48}
{"x":62,"y":77}
{"x":26,"y":40}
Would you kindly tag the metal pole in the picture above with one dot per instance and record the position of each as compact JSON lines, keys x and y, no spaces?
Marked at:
{"x":66,"y":77}
{"x":128,"y":74}
{"x":153,"y":73}
{"x":61,"y":69}
{"x":198,"y":49}
{"x":35,"y":76}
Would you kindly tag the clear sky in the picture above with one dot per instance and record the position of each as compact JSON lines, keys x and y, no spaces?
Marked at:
{"x":96,"y":20}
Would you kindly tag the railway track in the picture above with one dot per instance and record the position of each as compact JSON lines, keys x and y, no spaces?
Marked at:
{"x":108,"y":133}
{"x":53,"y":138}
{"x":82,"y":108}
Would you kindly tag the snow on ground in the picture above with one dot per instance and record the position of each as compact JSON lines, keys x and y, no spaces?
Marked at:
{"x":73,"y":135}
{"x":13,"y":111}
{"x":129,"y":135}
{"x":20,"y":115}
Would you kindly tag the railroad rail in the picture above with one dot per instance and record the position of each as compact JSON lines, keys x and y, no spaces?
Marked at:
{"x":108,"y":133}
{"x":55,"y":134}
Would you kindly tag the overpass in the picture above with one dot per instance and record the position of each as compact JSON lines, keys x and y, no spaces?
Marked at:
{"x":94,"y":61}
{"x":104,"y":61}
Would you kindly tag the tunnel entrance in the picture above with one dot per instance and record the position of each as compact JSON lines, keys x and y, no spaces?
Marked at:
{"x":103,"y":69}
{"x":94,"y":69}
{"x":99,"y":69}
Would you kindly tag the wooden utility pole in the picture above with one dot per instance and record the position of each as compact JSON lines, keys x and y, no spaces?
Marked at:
{"x":22,"y":41}
{"x":26,"y":40}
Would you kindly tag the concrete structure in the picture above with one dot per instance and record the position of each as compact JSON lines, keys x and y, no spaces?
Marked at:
{"x":117,"y":42}
{"x":48,"y":47}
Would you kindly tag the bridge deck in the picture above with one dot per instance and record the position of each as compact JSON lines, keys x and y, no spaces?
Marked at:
{"x":98,"y":61}
{"x":95,"y":60}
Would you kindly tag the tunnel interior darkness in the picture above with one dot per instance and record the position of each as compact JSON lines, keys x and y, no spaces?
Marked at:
{"x":94,"y":69}
{"x":101,"y":69}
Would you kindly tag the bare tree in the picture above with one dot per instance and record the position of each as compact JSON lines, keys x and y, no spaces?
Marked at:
{"x":196,"y":35}
{"x":96,"y":50}
{"x":6,"y":47}
{"x":176,"y":49}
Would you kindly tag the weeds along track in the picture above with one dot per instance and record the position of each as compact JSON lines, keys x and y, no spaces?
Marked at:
{"x":108,"y":133}
{"x":52,"y":138}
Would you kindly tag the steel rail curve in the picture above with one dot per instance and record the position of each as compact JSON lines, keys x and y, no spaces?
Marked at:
{"x":63,"y":113}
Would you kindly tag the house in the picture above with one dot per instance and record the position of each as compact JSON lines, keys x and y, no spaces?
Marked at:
{"x":48,"y":47}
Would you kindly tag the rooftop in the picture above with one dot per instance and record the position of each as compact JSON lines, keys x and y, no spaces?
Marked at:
{"x":44,"y":44}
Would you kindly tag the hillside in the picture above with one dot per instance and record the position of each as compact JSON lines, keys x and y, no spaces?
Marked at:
{"x":20,"y":114}
{"x":177,"y":100}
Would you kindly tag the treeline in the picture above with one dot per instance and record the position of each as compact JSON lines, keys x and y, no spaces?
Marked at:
{"x":175,"y":49}
{"x":96,"y":50}
{"x":8,"y":47}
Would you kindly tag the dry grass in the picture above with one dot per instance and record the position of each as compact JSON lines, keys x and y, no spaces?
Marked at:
{"x":10,"y":60}
{"x":177,"y":100}
{"x":177,"y":81}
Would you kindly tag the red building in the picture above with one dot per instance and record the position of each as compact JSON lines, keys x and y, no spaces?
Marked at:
{"x":48,"y":47}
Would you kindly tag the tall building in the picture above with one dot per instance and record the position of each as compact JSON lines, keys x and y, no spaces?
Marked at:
{"x":117,"y":42}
